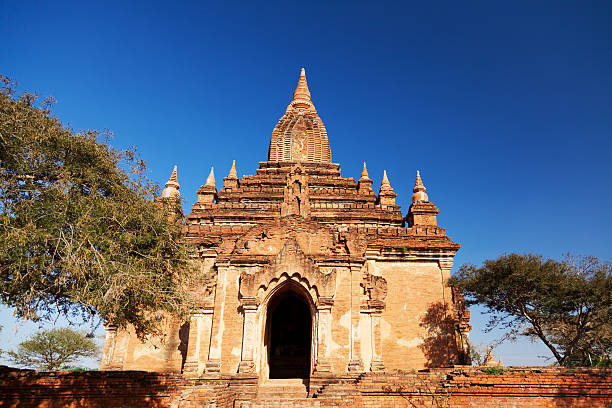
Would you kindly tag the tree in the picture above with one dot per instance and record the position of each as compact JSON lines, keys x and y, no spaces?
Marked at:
{"x":567,"y":305}
{"x":53,"y":349}
{"x":80,"y":233}
{"x":482,"y":355}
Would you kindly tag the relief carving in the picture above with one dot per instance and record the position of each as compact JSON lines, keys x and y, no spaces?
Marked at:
{"x":341,"y":241}
{"x":203,"y":289}
{"x":375,"y":289}
{"x":290,"y":263}
{"x":269,"y":239}
{"x":295,"y":201}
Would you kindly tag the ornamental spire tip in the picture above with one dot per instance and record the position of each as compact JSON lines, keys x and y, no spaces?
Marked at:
{"x":232,"y":172}
{"x":385,"y":185}
{"x":364,"y":172}
{"x":419,"y":190}
{"x":210,"y":180}
{"x":172,"y":186}
{"x":301,"y":97}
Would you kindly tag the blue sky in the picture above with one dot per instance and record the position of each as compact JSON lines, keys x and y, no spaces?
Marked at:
{"x":505,"y":108}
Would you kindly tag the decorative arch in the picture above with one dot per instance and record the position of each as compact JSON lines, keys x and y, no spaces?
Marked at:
{"x":290,"y":270}
{"x":288,"y":284}
{"x":281,"y":358}
{"x":297,"y":282}
{"x":289,"y":265}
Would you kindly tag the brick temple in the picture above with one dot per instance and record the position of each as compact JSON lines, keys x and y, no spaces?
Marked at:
{"x":308,"y":273}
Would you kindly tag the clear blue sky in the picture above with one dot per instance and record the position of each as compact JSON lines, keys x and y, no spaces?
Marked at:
{"x":505,"y":108}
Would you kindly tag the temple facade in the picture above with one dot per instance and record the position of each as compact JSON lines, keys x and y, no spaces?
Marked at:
{"x":307,"y":272}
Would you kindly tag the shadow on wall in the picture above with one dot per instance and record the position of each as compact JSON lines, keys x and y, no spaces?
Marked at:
{"x":592,"y":390}
{"x":184,"y":339}
{"x":439,"y":346}
{"x":93,"y":389}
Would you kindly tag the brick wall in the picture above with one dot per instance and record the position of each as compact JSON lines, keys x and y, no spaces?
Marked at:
{"x":471,"y":387}
{"x":453,"y":387}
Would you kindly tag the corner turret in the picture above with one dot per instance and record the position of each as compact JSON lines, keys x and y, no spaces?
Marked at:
{"x":208,"y":192}
{"x":231,"y":181}
{"x":365,"y":182}
{"x":421,"y":211}
{"x":386,"y":195}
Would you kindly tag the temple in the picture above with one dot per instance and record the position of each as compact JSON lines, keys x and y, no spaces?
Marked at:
{"x":307,"y":273}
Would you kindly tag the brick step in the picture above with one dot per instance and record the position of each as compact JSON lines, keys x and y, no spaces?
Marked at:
{"x":283,"y":389}
{"x":289,"y":394}
{"x":281,"y":403}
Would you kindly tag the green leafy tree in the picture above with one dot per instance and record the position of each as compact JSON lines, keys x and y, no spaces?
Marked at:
{"x":80,"y":232}
{"x":53,"y":349}
{"x":567,"y":305}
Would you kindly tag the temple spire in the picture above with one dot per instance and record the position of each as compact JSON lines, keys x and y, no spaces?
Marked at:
{"x":364,"y":184}
{"x":301,"y":97}
{"x":300,"y":135}
{"x":385,"y":185}
{"x":208,"y":192}
{"x":231,"y":181}
{"x":172,"y":186}
{"x":364,"y":173}
{"x":421,"y":211}
{"x":301,"y":91}
{"x":419,"y":190}
{"x":386,"y":195}
{"x":210,"y":180}
{"x":232,"y":173}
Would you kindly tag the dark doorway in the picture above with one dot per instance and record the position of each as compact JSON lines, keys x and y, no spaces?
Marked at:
{"x":289,"y":339}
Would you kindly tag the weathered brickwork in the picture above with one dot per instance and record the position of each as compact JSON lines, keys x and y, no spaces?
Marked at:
{"x":454,"y":387}
{"x":307,"y":273}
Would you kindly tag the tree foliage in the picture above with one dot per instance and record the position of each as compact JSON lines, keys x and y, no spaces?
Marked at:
{"x":482,"y":354}
{"x":567,"y":305}
{"x":53,"y":349}
{"x":80,"y":233}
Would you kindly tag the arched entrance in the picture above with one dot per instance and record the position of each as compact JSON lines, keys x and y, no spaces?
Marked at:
{"x":288,"y":335}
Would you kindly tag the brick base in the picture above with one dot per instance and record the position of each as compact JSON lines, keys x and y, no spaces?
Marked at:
{"x":456,"y":387}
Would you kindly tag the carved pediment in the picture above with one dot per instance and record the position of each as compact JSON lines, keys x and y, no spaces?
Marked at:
{"x":313,"y":238}
{"x":269,"y":239}
{"x":289,"y":263}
